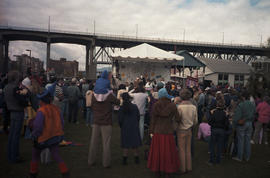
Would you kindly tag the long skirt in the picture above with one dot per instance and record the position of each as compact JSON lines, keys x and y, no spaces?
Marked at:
{"x":163,"y":156}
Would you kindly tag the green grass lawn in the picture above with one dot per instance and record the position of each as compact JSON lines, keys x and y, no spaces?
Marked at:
{"x":76,"y":159}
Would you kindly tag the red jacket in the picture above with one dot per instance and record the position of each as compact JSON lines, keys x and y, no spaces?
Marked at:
{"x":263,"y":109}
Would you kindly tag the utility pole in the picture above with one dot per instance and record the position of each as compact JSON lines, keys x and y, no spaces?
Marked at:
{"x":49,"y":24}
{"x":136,"y":30}
{"x":261,"y":41}
{"x":94,"y":27}
{"x":184,"y":34}
{"x":222,"y":37}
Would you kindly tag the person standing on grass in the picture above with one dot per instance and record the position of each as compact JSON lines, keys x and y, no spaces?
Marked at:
{"x":219,"y":123}
{"x":140,"y":98}
{"x":15,"y":101}
{"x":204,"y":132}
{"x":74,"y":95}
{"x":163,"y":157}
{"x":47,"y":133}
{"x":129,"y":117}
{"x":188,"y":115}
{"x":102,"y":107}
{"x":88,"y":103}
{"x":242,"y":121}
{"x":263,"y":110}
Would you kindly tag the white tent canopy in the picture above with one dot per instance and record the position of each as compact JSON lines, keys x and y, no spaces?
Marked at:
{"x":147,"y":53}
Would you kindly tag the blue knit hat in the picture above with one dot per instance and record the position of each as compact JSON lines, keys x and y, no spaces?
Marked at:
{"x":162,"y":93}
{"x":50,"y":90}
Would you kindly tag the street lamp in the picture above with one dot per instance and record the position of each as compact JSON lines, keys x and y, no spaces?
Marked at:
{"x":29,"y":51}
{"x":222,"y":37}
{"x":184,"y":33}
{"x":136,"y":30}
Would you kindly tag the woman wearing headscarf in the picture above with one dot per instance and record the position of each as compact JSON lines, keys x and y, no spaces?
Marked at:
{"x":163,"y":157}
{"x":129,"y":117}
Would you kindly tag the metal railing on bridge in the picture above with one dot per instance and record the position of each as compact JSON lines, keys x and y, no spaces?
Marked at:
{"x":134,"y":38}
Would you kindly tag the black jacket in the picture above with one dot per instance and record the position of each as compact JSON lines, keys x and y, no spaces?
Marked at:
{"x":218,"y":119}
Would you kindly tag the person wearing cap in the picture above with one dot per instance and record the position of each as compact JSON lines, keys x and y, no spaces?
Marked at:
{"x":163,"y":156}
{"x":47,"y":132}
{"x":74,"y":95}
{"x":16,"y":101}
{"x":129,"y":117}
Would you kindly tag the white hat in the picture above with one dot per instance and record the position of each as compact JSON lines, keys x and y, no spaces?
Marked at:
{"x":26,"y":82}
{"x":74,"y":80}
{"x":207,"y":88}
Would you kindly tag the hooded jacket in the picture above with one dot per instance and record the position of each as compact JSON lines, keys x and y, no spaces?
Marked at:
{"x":263,"y":109}
{"x":163,"y":114}
{"x":102,"y":85}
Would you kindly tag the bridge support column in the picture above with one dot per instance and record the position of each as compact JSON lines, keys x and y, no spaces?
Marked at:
{"x":5,"y":62}
{"x":87,"y":61}
{"x":48,"y":54}
{"x":1,"y":54}
{"x":93,"y":64}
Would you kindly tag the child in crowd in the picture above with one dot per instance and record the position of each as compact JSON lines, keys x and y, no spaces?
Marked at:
{"x":47,"y":133}
{"x":204,"y":132}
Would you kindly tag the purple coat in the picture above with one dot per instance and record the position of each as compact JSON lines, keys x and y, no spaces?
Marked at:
{"x":263,"y":109}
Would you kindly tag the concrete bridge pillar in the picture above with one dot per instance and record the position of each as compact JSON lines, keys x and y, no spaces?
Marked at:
{"x":93,"y":64}
{"x":87,"y":60}
{"x":1,"y":54}
{"x":48,"y":54}
{"x":5,"y":62}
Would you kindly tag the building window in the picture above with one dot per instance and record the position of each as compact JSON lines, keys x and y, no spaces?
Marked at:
{"x":223,"y":79}
{"x":238,"y":80}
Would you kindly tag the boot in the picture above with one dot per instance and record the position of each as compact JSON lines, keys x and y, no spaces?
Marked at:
{"x":137,"y":160}
{"x":66,"y":175}
{"x":64,"y":170}
{"x":32,"y":175}
{"x":124,"y":160}
{"x":33,"y":169}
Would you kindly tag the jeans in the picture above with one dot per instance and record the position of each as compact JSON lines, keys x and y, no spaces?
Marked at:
{"x":141,"y":126}
{"x":216,"y":142}
{"x":6,"y":119}
{"x":16,"y":124}
{"x":256,"y":137}
{"x":244,"y":136}
{"x":89,"y":116}
{"x":208,"y":139}
{"x":64,"y":107}
{"x":73,"y":112}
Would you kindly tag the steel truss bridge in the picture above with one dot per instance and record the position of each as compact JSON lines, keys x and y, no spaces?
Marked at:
{"x":100,"y":46}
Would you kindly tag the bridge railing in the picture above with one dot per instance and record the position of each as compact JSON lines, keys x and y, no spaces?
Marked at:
{"x":134,"y":38}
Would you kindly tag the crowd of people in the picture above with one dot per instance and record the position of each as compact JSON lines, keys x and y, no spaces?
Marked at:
{"x":164,"y":115}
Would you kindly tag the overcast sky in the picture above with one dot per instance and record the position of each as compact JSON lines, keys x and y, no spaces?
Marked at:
{"x":241,"y":21}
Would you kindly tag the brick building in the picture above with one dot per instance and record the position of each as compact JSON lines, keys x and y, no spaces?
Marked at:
{"x":24,"y":61}
{"x":64,"y":68}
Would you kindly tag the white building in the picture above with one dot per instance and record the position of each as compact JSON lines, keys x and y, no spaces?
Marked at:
{"x":222,"y":72}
